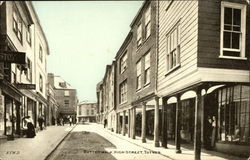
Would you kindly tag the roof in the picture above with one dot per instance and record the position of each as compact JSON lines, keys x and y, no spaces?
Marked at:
{"x":87,"y":102}
{"x":60,"y":83}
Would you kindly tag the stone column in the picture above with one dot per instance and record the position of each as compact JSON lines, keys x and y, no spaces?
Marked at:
{"x":134,"y":121}
{"x":117,"y":122}
{"x":164,"y":123}
{"x":177,"y":125}
{"x":156,"y":123}
{"x":143,"y":124}
{"x":129,"y":122}
{"x":197,"y":127}
{"x":123,"y":122}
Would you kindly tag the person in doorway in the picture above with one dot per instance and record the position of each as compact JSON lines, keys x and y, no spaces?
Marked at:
{"x":30,"y":133}
{"x":40,"y":122}
{"x":208,"y":132}
{"x":214,"y":125}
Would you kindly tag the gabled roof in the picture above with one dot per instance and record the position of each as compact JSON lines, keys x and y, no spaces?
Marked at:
{"x":59,"y":83}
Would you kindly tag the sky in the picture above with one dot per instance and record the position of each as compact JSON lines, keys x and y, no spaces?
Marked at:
{"x":84,"y":37}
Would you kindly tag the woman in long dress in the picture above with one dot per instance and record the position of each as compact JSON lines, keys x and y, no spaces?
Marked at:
{"x":30,"y":133}
{"x":213,"y":132}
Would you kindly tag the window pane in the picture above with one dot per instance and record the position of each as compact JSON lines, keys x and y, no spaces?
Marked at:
{"x":228,"y":27}
{"x":235,"y":40}
{"x":231,"y":53}
{"x":236,"y":28}
{"x":228,"y":15}
{"x":237,"y":17}
{"x":226,"y":39}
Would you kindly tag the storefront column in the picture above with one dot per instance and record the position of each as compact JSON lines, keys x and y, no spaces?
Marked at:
{"x":143,"y":124}
{"x":123,"y":122}
{"x":197,"y":127}
{"x":133,"y":124}
{"x":117,"y":123}
{"x":129,"y":121}
{"x":177,"y":125}
{"x":156,"y":123}
{"x":164,"y":123}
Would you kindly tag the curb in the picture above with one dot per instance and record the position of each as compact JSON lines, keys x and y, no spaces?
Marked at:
{"x":136,"y":144}
{"x":59,"y":143}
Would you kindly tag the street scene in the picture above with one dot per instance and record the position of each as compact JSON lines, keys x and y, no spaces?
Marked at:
{"x":125,"y":80}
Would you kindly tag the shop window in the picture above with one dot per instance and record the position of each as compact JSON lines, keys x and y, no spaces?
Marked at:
{"x":234,"y":104}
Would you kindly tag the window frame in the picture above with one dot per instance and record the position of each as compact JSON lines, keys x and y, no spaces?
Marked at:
{"x":147,"y":68}
{"x":41,"y":83}
{"x":138,"y":75}
{"x":123,"y":92}
{"x":41,"y":53}
{"x":123,"y":62}
{"x":139,"y":38}
{"x":148,"y":23}
{"x":242,"y":39}
{"x":17,"y":24}
{"x":177,"y":48}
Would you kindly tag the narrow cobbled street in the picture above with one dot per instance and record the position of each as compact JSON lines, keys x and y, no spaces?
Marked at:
{"x":87,"y":142}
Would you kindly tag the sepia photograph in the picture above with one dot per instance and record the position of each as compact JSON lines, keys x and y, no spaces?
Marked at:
{"x":125,"y":80}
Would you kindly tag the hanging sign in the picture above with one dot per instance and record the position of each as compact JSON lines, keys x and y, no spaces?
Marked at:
{"x":12,"y":57}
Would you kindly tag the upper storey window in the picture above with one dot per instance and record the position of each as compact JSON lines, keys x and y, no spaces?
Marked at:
{"x":123,"y":63}
{"x":233,"y":29}
{"x":173,"y":48}
{"x":139,"y":35}
{"x":148,"y":22}
{"x":17,"y":25}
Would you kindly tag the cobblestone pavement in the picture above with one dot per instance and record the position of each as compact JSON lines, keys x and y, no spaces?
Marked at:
{"x":34,"y":148}
{"x":87,"y":142}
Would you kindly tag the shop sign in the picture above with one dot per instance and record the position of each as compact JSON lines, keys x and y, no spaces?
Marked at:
{"x":13,"y":57}
{"x":25,"y":86}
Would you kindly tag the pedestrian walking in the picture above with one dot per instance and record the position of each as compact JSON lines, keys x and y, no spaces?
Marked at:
{"x":40,"y":122}
{"x":70,"y":120}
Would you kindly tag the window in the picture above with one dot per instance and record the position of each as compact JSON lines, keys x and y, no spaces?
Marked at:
{"x":66,"y":103}
{"x":92,"y":112}
{"x":123,"y":62}
{"x":80,"y":110}
{"x":233,"y":30}
{"x":147,"y":69}
{"x":234,"y":115}
{"x":87,"y":112}
{"x":173,"y":48}
{"x":139,"y":35}
{"x":17,"y":25}
{"x":41,"y":83}
{"x":138,"y":75}
{"x":41,"y":53}
{"x":62,"y":84}
{"x":28,"y":34}
{"x":66,"y":93}
{"x":29,"y":70}
{"x":123,"y":91}
{"x":148,"y":22}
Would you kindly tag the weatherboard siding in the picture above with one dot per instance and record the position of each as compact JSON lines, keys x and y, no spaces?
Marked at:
{"x":187,"y":13}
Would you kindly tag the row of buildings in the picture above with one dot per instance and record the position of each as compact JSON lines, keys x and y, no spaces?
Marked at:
{"x":181,"y":64}
{"x":26,"y":89}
